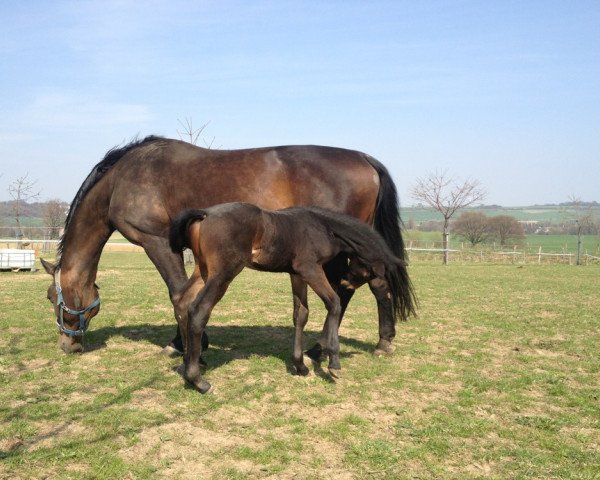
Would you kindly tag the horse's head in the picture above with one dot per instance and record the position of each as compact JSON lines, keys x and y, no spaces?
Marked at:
{"x":73,"y":309}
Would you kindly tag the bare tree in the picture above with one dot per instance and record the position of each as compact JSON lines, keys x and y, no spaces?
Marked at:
{"x":192,"y":135}
{"x":506,"y":228}
{"x":22,"y":191}
{"x":472,"y":226}
{"x":55,"y":212}
{"x":584,"y":219}
{"x":444,"y":194}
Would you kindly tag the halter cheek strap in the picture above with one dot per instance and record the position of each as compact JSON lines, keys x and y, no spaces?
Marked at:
{"x":60,"y":302}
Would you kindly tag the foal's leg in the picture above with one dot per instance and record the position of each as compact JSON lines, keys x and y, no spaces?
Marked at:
{"x":171,"y":268}
{"x":318,"y":282}
{"x":299,"y":292}
{"x":182,"y":302}
{"x":198,"y":315}
{"x":334,"y":270}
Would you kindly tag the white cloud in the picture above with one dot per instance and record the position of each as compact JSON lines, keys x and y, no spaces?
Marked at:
{"x":65,"y":110}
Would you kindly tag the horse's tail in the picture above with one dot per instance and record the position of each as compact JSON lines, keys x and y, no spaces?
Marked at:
{"x":388,"y":223}
{"x":180,"y":227}
{"x":387,"y":211}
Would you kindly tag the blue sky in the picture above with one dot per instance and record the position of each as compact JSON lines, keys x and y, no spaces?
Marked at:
{"x":505,"y":92}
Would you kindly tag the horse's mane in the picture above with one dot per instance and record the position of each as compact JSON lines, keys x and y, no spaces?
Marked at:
{"x":110,"y":159}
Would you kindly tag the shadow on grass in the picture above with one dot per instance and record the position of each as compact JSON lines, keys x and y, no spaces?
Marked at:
{"x":227,"y":342}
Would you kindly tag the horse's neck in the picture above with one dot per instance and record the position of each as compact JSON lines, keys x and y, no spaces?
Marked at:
{"x":85,"y":237}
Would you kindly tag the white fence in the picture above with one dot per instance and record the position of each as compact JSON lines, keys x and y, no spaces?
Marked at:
{"x":418,"y":251}
{"x":491,"y":255}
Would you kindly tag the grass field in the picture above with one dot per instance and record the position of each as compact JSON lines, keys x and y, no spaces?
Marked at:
{"x":499,"y":377}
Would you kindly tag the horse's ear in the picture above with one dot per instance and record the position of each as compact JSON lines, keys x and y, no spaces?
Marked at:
{"x":49,"y":267}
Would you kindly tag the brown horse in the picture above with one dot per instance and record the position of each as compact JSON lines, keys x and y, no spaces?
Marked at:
{"x":138,"y":189}
{"x":227,"y":238}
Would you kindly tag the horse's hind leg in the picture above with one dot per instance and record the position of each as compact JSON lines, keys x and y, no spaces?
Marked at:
{"x":387,"y":322}
{"x":198,"y":315}
{"x":300,"y":318}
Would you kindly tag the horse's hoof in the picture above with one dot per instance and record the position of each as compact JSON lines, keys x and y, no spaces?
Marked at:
{"x":171,"y":351}
{"x":335,"y":372}
{"x":384,"y":348}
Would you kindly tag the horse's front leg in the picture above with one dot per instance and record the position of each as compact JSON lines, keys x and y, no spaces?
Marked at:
{"x":299,"y":292}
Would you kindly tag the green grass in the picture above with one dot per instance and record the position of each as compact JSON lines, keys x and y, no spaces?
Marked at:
{"x":499,"y":377}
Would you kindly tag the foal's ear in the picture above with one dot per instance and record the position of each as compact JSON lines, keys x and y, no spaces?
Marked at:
{"x":49,"y":267}
{"x":400,"y":262}
{"x":379,"y":269}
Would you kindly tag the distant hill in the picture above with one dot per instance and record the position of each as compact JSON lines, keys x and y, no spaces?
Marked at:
{"x":553,"y":213}
{"x":31,"y":213}
{"x":556,"y":213}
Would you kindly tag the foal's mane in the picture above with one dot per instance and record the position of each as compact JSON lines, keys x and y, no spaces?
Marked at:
{"x":110,"y":159}
{"x":367,"y":242}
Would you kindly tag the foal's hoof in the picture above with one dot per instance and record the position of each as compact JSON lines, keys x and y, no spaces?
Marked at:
{"x":384,"y":348}
{"x":171,"y":351}
{"x":302,"y":370}
{"x":316,"y":353}
{"x":335,"y":372}
{"x":202,"y":386}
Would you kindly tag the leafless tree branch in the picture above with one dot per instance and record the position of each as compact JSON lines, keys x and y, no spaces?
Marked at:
{"x":22,"y":191}
{"x":190,"y":133}
{"x":444,"y":194}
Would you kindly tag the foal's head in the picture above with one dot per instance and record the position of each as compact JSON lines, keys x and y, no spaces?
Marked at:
{"x":360,"y":272}
{"x":73,"y":309}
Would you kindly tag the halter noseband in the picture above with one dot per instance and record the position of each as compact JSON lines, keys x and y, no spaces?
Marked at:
{"x":60,"y":303}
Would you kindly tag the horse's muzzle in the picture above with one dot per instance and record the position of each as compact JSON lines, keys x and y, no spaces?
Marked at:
{"x":68,"y":346}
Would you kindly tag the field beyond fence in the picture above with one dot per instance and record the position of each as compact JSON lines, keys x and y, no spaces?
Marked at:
{"x":498,"y":377}
{"x":422,"y":246}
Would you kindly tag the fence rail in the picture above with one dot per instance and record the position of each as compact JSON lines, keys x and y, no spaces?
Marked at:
{"x":498,"y":256}
{"x":416,"y":253}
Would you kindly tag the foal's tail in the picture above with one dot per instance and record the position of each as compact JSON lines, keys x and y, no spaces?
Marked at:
{"x":180,"y":227}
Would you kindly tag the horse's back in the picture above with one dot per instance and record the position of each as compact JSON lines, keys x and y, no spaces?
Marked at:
{"x":153,"y":183}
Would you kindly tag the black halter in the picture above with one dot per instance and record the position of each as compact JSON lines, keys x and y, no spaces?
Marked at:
{"x":60,"y":303}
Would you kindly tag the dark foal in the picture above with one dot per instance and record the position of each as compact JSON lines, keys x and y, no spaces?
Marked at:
{"x":300,"y":241}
